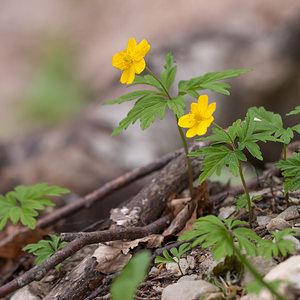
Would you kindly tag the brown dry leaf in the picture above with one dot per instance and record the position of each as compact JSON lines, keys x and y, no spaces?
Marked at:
{"x":11,"y":246}
{"x":113,"y":256}
{"x":200,"y":204}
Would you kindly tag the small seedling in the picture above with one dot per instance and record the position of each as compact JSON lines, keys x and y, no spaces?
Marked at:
{"x":177,"y":254}
{"x":45,"y":248}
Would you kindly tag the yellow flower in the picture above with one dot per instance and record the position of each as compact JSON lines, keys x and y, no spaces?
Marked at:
{"x":200,"y":117}
{"x":131,"y":60}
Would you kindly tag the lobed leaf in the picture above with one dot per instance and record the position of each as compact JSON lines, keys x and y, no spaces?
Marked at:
{"x":208,"y":81}
{"x":177,"y":105}
{"x":22,"y":203}
{"x":145,"y":110}
{"x":291,"y":172}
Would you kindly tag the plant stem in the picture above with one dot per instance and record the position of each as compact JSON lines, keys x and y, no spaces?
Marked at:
{"x":257,"y":276}
{"x":190,"y":169}
{"x":286,"y":196}
{"x":241,"y":176}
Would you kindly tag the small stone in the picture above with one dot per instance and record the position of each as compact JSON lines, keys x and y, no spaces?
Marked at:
{"x":191,"y":262}
{"x":277,"y":224}
{"x":226,"y":212}
{"x":188,"y":290}
{"x":263,"y":220}
{"x":290,"y":212}
{"x":24,"y":294}
{"x":173,"y":267}
{"x":153,"y":271}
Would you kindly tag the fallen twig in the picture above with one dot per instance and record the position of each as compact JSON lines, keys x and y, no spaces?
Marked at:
{"x":38,"y":272}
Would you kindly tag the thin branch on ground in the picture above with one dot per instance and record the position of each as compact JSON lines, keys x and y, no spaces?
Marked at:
{"x":38,"y":272}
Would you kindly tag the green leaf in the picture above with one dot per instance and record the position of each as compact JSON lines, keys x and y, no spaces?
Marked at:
{"x":208,"y":81}
{"x":22,"y":203}
{"x":291,"y":172}
{"x":145,"y":110}
{"x":168,"y":75}
{"x":147,"y":80}
{"x":45,"y":248}
{"x":177,"y":105}
{"x":211,"y":231}
{"x":124,"y":286}
{"x":215,"y":157}
{"x":130,"y":96}
{"x":296,"y":111}
{"x":280,"y":244}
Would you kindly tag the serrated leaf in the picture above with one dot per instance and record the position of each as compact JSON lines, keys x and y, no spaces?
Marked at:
{"x":130,"y":96}
{"x":22,"y":203}
{"x":208,"y":81}
{"x":168,"y":75}
{"x":147,"y":80}
{"x":219,"y":87}
{"x":144,"y":110}
{"x":45,"y":248}
{"x":177,"y":105}
{"x":291,"y":172}
{"x":124,"y":286}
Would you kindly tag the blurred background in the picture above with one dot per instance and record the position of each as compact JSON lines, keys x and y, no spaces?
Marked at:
{"x":56,"y":71}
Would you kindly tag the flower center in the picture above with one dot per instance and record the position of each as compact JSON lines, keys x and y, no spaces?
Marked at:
{"x":127,"y":60}
{"x":199,"y":117}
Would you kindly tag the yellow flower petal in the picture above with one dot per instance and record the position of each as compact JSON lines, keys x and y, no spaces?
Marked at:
{"x":199,"y":129}
{"x":195,"y":108}
{"x":191,"y":132}
{"x":131,"y":46}
{"x":187,"y":121}
{"x":118,"y":61}
{"x":141,"y":50}
{"x":128,"y":75}
{"x":139,"y":66}
{"x":202,"y":103}
{"x":211,"y":108}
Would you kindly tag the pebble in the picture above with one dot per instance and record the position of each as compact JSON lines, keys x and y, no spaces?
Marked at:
{"x":188,"y":290}
{"x":173,"y":267}
{"x":278,"y":224}
{"x":226,"y":212}
{"x":290,"y":212}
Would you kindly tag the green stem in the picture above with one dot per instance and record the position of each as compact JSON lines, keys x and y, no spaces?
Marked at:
{"x":189,"y":164}
{"x":256,"y":275}
{"x":286,"y":197}
{"x":241,"y":176}
{"x":190,"y":169}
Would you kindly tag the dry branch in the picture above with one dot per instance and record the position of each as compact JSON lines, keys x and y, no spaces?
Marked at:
{"x":38,"y":272}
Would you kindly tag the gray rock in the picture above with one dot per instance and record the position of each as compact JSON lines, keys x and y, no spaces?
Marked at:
{"x":287,"y":271}
{"x":290,"y":212}
{"x":226,"y":212}
{"x":263,"y":220}
{"x":262,"y":265}
{"x":277,"y":224}
{"x":188,"y":290}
